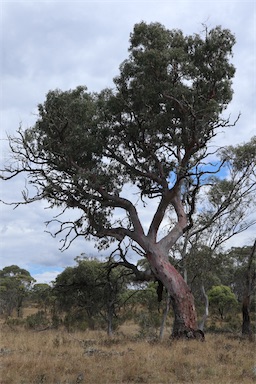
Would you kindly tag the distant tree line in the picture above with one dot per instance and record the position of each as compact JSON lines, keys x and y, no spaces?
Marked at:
{"x":102,"y":295}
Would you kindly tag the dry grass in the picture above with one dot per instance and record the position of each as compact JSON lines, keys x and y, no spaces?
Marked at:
{"x":56,"y":357}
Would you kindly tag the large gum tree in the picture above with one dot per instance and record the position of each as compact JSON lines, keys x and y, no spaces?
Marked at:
{"x":152,"y":131}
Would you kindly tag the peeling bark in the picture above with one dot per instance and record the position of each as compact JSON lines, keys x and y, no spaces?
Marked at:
{"x":185,"y":319}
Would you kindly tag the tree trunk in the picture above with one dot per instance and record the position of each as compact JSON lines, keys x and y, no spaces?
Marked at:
{"x":250,"y":278}
{"x":206,"y":310}
{"x":246,"y":327}
{"x":110,"y":320}
{"x":185,"y":319}
{"x":166,"y":311}
{"x":19,"y":307}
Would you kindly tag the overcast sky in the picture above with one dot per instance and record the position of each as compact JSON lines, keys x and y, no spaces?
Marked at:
{"x":60,"y":44}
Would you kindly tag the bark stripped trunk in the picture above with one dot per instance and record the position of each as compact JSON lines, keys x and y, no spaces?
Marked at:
{"x":185,"y":319}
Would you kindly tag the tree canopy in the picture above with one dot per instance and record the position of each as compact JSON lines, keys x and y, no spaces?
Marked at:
{"x":152,"y":130}
{"x":14,"y":285}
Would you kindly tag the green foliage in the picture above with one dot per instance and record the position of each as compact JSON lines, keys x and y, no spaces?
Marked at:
{"x":242,"y":156}
{"x":240,"y":258}
{"x":91,"y":293}
{"x":208,"y":268}
{"x":152,"y":127}
{"x":37,"y":320}
{"x":149,"y":324}
{"x":174,"y":84}
{"x":222,"y":299}
{"x":42,"y":294}
{"x":15,"y":283}
{"x":147,"y":297}
{"x":15,"y":322}
{"x":149,"y":311}
{"x":78,"y":319}
{"x":228,"y":268}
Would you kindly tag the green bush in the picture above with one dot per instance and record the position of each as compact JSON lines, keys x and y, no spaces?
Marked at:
{"x":222,"y":300}
{"x":149,"y":324}
{"x":12,"y":322}
{"x":36,"y":320}
{"x":56,"y":321}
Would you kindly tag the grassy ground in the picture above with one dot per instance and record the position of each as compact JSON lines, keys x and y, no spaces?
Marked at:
{"x":56,"y":357}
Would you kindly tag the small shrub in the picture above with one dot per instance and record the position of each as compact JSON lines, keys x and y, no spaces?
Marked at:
{"x":233,"y":323}
{"x":149,"y":324}
{"x":56,"y":321}
{"x":12,"y":322}
{"x":36,"y":320}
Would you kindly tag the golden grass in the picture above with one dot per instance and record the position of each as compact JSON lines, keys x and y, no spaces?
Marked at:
{"x":56,"y":357}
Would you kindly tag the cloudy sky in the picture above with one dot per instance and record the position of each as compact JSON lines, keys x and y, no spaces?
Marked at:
{"x":61,"y":44}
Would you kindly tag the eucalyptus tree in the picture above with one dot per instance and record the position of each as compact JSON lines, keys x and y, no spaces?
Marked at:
{"x":222,"y":300}
{"x":92,"y":287}
{"x":78,"y":291}
{"x":153,"y":131}
{"x":244,"y":281}
{"x":41,"y":293}
{"x":15,"y":283}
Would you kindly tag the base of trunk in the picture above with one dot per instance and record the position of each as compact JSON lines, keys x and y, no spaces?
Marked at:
{"x":181,"y":297}
{"x":246,"y":327}
{"x":189,"y":334}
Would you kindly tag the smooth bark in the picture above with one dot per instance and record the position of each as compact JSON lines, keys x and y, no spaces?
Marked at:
{"x":206,"y":310}
{"x":185,"y":319}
